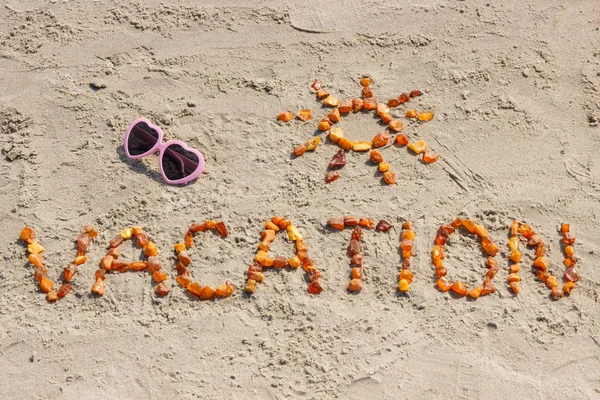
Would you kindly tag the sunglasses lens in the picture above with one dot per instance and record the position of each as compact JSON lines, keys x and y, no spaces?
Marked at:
{"x":178,"y":163}
{"x":141,"y":139}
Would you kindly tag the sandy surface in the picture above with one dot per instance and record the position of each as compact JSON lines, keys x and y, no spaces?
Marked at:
{"x":516,"y":89}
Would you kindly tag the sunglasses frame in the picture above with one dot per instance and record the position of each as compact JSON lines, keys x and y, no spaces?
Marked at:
{"x":162,"y":147}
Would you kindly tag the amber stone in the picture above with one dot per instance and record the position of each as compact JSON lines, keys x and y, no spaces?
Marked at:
{"x":256,"y":276}
{"x":403,"y":285}
{"x":383,"y":167}
{"x":83,"y":243}
{"x":304,"y":115}
{"x":106,"y":262}
{"x":514,"y":277}
{"x":40,"y":272}
{"x":568,"y":238}
{"x":356,"y":232}
{"x":567,"y":287}
{"x":36,"y":260}
{"x":285,"y":116}
{"x":90,"y":230}
{"x":488,"y":287}
{"x":406,"y":263}
{"x":386,"y":118}
{"x":456,"y":223}
{"x":338,"y":159}
{"x":361,"y":145}
{"x":459,"y":288}
{"x":321,"y":94}
{"x":100,"y":273}
{"x":438,"y":252}
{"x":382,"y":109}
{"x":403,"y":98}
{"x":406,"y":244}
{"x":151,"y":249}
{"x":98,"y":287}
{"x":222,"y":229}
{"x":250,"y":286}
{"x":475,"y":293}
{"x":357,"y":260}
{"x":315,"y":288}
{"x":280,"y":262}
{"x":541,"y":263}
{"x":355,"y":285}
{"x":551,"y":282}
{"x":64,"y":289}
{"x":350,"y":221}
{"x":410,"y":235}
{"x":430,"y":157}
{"x":396,"y":125}
{"x":114,"y":252}
{"x":491,"y":249}
{"x":184,"y":258}
{"x":425,"y":116}
{"x":221,"y":291}
{"x":345,"y":106}
{"x":194,"y":288}
{"x":324,"y":125}
{"x":441,"y":238}
{"x":334,"y":116}
{"x":407,"y":274}
{"x":383,"y":226}
{"x":443,"y":285}
{"x":389,"y":178}
{"x":407,"y":225}
{"x":534,"y":240}
{"x":564,"y":228}
{"x":336,"y":223}
{"x":402,"y":140}
{"x":571,"y":275}
{"x":366,"y":223}
{"x":142,"y":239}
{"x":441,"y":272}
{"x":381,"y":139}
{"x":526,"y":231}
{"x":556,"y":293}
{"x":294,"y":262}
{"x":515,"y":268}
{"x":313,"y":273}
{"x":138,"y":266}
{"x":514,"y":286}
{"x":367,"y":92}
{"x":356,"y":273}
{"x":569,"y":251}
{"x":116,"y":241}
{"x":159,"y":276}
{"x":189,"y":239}
{"x":411,"y":113}
{"x":366,"y":81}
{"x":52,"y":296}
{"x":541,"y":274}
{"x":79,"y":260}
{"x":69,"y":272}
{"x":418,"y":147}
{"x":153,"y":263}
{"x":354,"y":248}
{"x":331,"y":101}
{"x":207,"y":293}
{"x":357,"y":105}
{"x":331,"y":176}
{"x":345,"y":144}
{"x":370,"y":104}
{"x":27,"y":235}
{"x":162,"y":289}
{"x":317,"y":84}
{"x":393,"y":103}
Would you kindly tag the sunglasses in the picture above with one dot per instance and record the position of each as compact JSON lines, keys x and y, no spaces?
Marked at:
{"x":178,"y":163}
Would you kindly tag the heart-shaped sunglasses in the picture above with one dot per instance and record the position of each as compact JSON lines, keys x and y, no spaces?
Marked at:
{"x":178,"y":163}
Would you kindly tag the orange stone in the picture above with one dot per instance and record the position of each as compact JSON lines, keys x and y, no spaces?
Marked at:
{"x":402,"y":140}
{"x":403,"y":98}
{"x":345,"y":144}
{"x":285,"y":116}
{"x":357,"y":105}
{"x":27,"y":235}
{"x":304,"y":115}
{"x":418,"y":147}
{"x":331,"y":101}
{"x":430,"y":157}
{"x":366,"y":81}
{"x":370,"y":104}
{"x":355,"y":285}
{"x":324,"y":125}
{"x":334,"y":116}
{"x":367,"y":92}
{"x":443,"y":285}
{"x":375,"y":156}
{"x":425,"y":116}
{"x":98,"y":287}
{"x":389,"y":178}
{"x":381,"y":139}
{"x":321,"y":94}
{"x":396,"y":125}
{"x":411,"y":113}
{"x":459,"y":288}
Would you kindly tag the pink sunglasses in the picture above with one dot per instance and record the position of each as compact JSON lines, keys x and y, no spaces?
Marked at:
{"x":178,"y":163}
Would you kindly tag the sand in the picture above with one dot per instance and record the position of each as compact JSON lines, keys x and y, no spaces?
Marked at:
{"x":516,"y":90}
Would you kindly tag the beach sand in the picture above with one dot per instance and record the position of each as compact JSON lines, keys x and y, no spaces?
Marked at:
{"x":516,"y":93}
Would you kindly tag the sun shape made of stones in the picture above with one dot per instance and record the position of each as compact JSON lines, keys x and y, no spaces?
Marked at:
{"x":366,"y":104}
